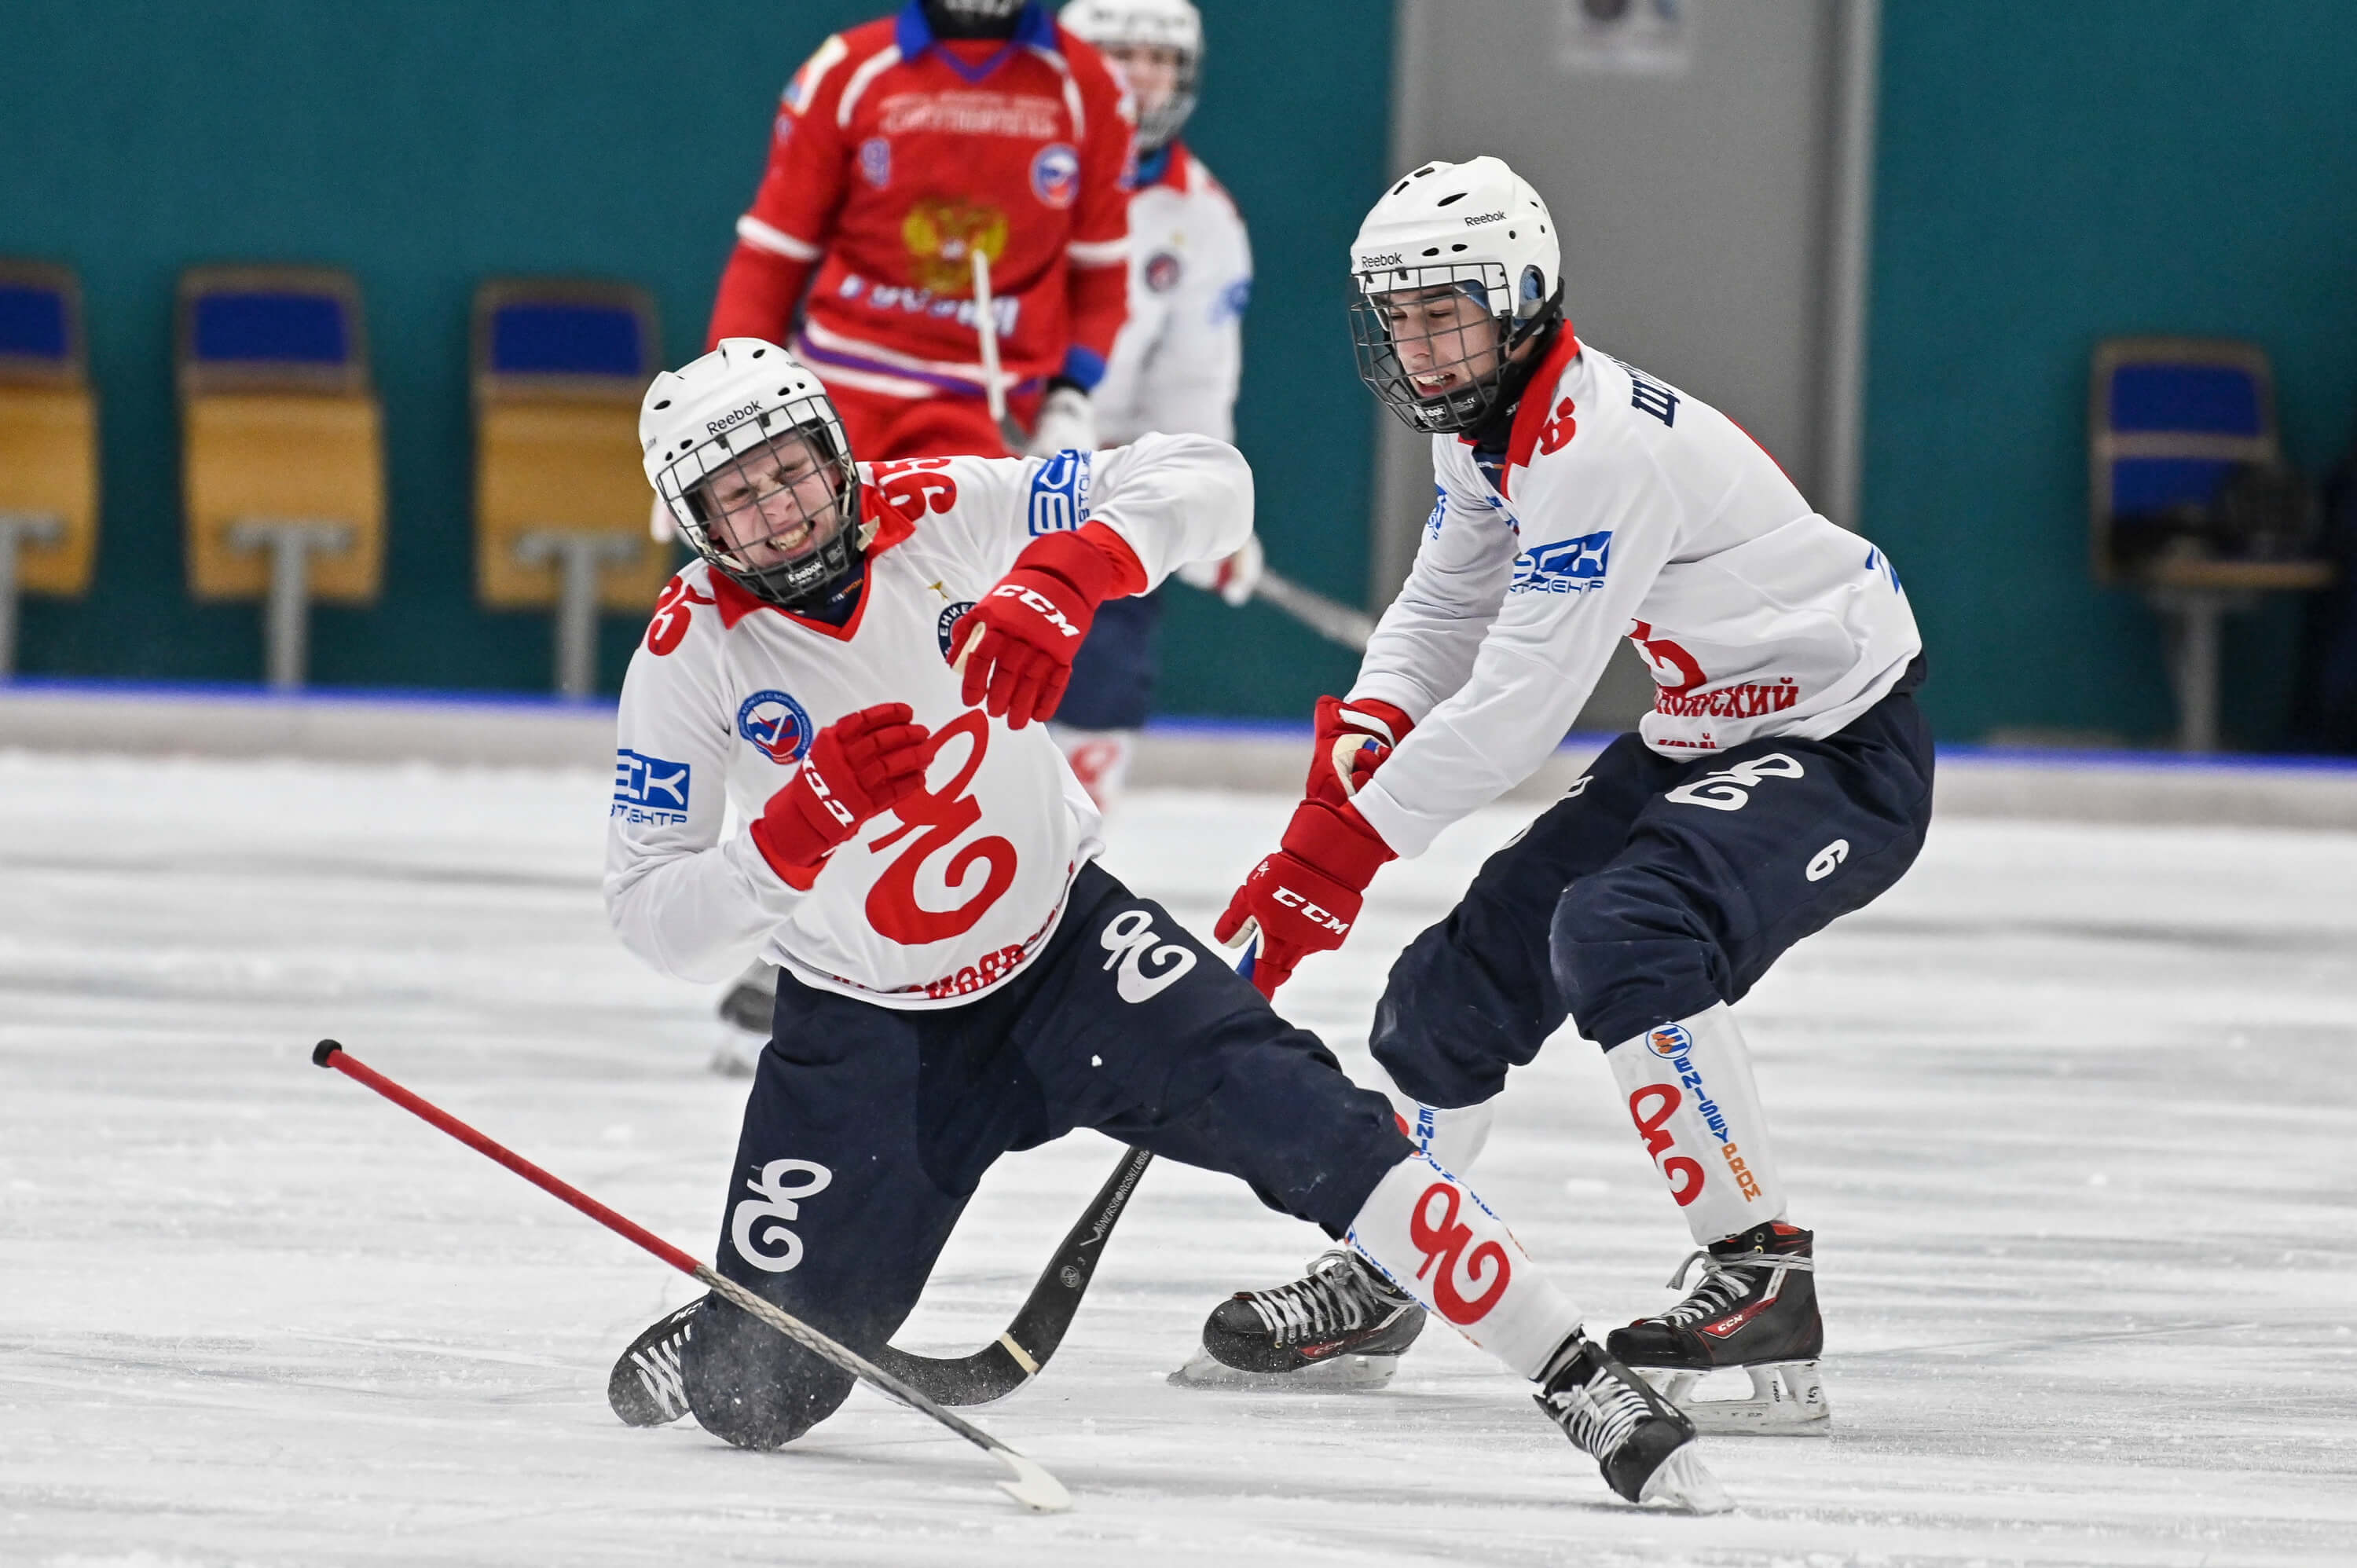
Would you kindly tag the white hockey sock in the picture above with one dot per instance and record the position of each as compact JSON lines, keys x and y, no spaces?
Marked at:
{"x":1454,"y":1138}
{"x":1099,"y":759}
{"x":1689,"y":1091}
{"x":1433,"y":1238}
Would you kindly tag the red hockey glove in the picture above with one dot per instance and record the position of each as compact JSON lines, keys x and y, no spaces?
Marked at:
{"x":1304,"y":898}
{"x":1353,"y":738}
{"x":863,"y":764}
{"x":1015,"y":646}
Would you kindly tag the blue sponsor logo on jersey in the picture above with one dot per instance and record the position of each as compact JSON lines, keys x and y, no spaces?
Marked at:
{"x":648,"y":788}
{"x":1880,"y":563}
{"x":1572,"y":566}
{"x":776,"y":725}
{"x":1439,"y":510}
{"x":1056,"y":175}
{"x":875,"y":162}
{"x":1060,"y":493}
{"x":1232,"y":302}
{"x":947,"y":624}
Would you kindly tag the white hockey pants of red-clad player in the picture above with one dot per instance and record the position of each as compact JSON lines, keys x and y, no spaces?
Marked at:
{"x":1437,"y":1242}
{"x":1688,"y":1089}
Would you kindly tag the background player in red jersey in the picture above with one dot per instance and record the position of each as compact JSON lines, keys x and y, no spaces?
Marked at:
{"x":901,"y":147}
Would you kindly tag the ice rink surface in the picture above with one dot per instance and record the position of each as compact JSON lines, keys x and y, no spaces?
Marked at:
{"x":2071,"y":1111}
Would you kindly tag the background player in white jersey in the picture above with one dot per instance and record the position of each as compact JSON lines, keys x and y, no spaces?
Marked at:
{"x":1176,"y":363}
{"x":856,"y":663}
{"x":1782,"y":779}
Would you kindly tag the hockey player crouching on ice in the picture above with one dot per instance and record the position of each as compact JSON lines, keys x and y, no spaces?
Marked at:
{"x":858,"y":664}
{"x":1784,"y":779}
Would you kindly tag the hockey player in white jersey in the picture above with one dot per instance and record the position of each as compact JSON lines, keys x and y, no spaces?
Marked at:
{"x":855,"y":671}
{"x":1174,"y":365}
{"x":1783,"y":777}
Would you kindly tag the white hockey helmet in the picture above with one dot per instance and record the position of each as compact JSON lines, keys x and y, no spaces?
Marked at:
{"x":1174,"y":25}
{"x":744,"y":448}
{"x":1476,"y":228}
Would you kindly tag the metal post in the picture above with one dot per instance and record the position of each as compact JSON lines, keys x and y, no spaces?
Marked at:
{"x":2192,"y":618}
{"x":18,"y":528}
{"x":578,"y":555}
{"x":286,"y":620}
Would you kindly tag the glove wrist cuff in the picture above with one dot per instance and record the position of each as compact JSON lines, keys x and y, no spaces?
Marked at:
{"x":1337,"y":841}
{"x":1095,"y":562}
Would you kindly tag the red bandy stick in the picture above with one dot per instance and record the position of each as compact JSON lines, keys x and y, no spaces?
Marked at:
{"x":1032,"y":1487}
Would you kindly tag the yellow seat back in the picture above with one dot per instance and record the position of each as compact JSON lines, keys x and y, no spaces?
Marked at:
{"x":559,"y":367}
{"x":49,"y":424}
{"x":278,"y":425}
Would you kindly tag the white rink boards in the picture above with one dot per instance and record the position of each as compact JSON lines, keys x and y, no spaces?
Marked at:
{"x":2070,"y":1110}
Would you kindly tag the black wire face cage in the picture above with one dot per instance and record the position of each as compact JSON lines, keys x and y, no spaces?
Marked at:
{"x":748,"y":485}
{"x":1479,"y":345}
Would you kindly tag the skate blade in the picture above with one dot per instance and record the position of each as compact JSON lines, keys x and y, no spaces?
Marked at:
{"x":1683,"y":1481}
{"x":1343,"y":1375}
{"x":1788,"y":1400}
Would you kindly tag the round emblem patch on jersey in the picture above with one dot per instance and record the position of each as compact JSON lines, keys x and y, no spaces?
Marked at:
{"x":776,"y":725}
{"x":1670,"y":1040}
{"x":948,"y":623}
{"x":1162,"y":270}
{"x":875,"y":162}
{"x":1055,"y":174}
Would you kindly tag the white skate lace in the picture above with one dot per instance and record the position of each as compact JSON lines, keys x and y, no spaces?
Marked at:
{"x":660,"y":1372}
{"x":1340,"y":1294}
{"x":1600,"y":1414}
{"x":1721,"y":1289}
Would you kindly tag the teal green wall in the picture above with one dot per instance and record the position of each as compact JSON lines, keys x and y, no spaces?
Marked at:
{"x":423,"y":144}
{"x":2051,"y":174}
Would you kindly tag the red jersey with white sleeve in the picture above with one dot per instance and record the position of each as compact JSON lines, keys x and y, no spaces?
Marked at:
{"x":1622,"y":507}
{"x":896,"y":157}
{"x":951,"y":892}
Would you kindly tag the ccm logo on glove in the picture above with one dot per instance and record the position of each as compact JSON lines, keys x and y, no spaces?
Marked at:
{"x":1015,"y":647}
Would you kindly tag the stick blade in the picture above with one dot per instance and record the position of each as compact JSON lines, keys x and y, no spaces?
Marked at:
{"x":1033,"y":1487}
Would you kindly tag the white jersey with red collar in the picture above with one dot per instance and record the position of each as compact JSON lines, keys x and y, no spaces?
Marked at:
{"x":1180,"y":356}
{"x":952,"y":893}
{"x":1624,"y":507}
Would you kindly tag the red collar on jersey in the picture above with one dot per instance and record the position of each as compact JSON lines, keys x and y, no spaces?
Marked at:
{"x":895,"y":522}
{"x":1534,"y":412}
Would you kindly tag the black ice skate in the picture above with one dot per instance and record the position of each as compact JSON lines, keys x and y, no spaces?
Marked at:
{"x":745,"y":1021}
{"x":1756,"y":1311}
{"x":1641,"y":1443}
{"x":646,"y":1386}
{"x":1340,"y":1328}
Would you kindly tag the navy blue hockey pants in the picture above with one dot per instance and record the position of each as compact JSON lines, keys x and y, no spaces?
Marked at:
{"x":869,"y":1128}
{"x":1656,"y":889}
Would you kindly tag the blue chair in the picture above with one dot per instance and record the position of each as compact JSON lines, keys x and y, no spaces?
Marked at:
{"x":2172,"y":422}
{"x":561,"y":500}
{"x":48,"y":443}
{"x":282,"y":445}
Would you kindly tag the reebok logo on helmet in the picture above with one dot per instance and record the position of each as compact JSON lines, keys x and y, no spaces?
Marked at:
{"x":1485,"y":217}
{"x":1369,"y":264}
{"x":733,"y":417}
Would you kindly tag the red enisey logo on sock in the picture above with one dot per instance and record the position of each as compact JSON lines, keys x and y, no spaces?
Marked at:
{"x":1444,"y":1239}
